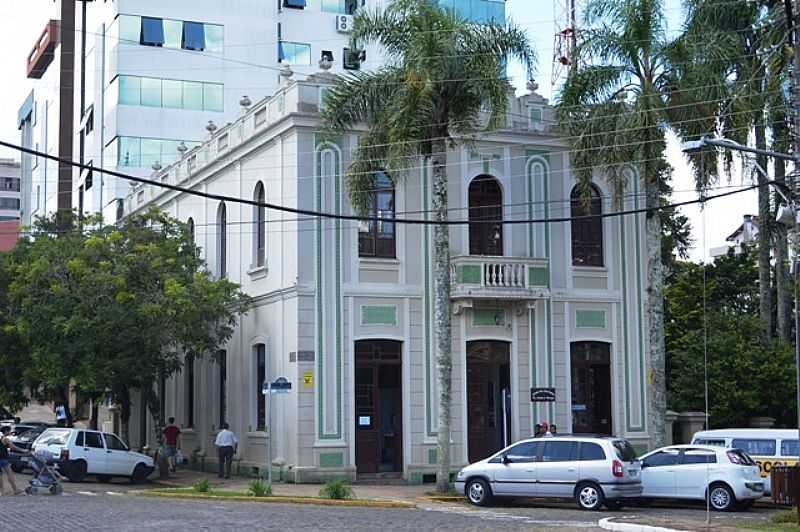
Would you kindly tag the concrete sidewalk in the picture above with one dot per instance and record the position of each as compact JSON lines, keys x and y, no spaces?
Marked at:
{"x":184,"y":478}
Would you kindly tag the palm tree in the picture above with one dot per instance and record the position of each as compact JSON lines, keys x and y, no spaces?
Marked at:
{"x":444,"y":80}
{"x":616,"y":111}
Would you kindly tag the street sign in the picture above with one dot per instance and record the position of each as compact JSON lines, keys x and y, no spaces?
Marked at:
{"x":543,"y":395}
{"x":279,"y":385}
{"x":308,"y":379}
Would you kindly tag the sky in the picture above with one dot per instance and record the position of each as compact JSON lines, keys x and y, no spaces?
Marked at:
{"x":21,"y":22}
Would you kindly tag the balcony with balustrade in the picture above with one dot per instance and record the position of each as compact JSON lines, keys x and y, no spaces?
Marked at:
{"x":488,"y":277}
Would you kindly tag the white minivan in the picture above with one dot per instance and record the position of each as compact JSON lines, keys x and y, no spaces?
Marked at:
{"x":81,"y":452}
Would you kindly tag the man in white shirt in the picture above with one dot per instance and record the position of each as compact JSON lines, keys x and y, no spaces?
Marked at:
{"x":227,"y":444}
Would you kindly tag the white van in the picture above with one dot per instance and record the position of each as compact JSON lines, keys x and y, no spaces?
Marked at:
{"x":768,"y":447}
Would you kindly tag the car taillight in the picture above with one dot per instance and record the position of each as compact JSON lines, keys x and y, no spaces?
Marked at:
{"x":64,"y":456}
{"x":616,"y":469}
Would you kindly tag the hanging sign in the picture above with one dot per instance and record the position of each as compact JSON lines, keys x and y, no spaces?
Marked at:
{"x":543,"y":395}
{"x":308,"y":380}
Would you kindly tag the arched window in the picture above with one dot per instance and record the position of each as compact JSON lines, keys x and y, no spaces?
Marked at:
{"x":587,"y":234}
{"x":485,"y":203}
{"x":222,"y":240}
{"x":259,"y":227}
{"x":190,"y":226}
{"x":377,"y":239}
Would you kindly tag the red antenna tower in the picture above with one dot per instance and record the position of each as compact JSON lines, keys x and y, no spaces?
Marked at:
{"x":566,"y":38}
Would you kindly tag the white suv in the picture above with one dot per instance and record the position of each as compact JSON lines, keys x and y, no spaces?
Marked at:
{"x":595,"y":471}
{"x":728,"y":477}
{"x":81,"y":452}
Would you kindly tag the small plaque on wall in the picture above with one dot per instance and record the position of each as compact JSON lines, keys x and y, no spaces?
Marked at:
{"x":543,"y":395}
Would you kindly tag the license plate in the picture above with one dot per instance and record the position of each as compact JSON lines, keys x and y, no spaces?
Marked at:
{"x":633,"y":472}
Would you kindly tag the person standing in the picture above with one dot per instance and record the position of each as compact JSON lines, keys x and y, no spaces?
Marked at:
{"x":227,"y":444}
{"x":5,"y":463}
{"x":172,"y":436}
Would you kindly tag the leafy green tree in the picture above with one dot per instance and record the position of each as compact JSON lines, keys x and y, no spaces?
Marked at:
{"x":443,"y":77}
{"x":712,"y":314}
{"x":13,"y":354}
{"x":116,"y":308}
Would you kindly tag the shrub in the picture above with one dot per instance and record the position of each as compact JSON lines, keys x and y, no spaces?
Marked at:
{"x":336,"y":489}
{"x":201,"y":486}
{"x":785,"y":517}
{"x":259,"y":488}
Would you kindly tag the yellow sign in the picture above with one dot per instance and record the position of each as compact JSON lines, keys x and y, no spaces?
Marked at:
{"x":765,"y":463}
{"x":308,"y":379}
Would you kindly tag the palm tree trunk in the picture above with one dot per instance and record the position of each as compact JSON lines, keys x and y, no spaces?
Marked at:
{"x":782,"y":283}
{"x":764,"y":233}
{"x":655,"y":311}
{"x":442,"y":314}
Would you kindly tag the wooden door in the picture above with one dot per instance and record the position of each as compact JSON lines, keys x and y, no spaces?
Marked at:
{"x":591,"y":387}
{"x":478,"y":408}
{"x":485,"y":203}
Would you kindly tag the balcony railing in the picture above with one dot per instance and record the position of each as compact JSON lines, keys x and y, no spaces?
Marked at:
{"x":499,"y":277}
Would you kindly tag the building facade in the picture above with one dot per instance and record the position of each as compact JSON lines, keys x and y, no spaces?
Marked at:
{"x":343,"y":309}
{"x":9,"y":189}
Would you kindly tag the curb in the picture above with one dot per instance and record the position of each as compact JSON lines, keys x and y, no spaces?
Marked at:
{"x":607,"y":523}
{"x":444,"y":498}
{"x":368,"y":503}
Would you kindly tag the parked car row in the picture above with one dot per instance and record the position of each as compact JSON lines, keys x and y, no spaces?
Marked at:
{"x":605,"y":471}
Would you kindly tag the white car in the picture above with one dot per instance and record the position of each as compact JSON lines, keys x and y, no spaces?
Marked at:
{"x":728,"y":477}
{"x":81,"y":452}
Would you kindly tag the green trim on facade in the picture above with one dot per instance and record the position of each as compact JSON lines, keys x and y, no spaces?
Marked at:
{"x":488,"y":317}
{"x":379,"y":315}
{"x":539,"y":276}
{"x":331,"y":459}
{"x":590,"y":319}
{"x":642,"y":399}
{"x":543,"y":159}
{"x":321,"y":303}
{"x":426,"y":303}
{"x":468,"y":274}
{"x":626,"y":357}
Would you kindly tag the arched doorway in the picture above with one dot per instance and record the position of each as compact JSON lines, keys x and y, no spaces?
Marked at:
{"x":591,"y":387}
{"x":379,"y":406}
{"x":485,"y":203}
{"x":488,"y":398}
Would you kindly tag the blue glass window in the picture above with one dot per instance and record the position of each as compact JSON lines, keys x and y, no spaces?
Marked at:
{"x":297,"y":4}
{"x":194,"y":37}
{"x":152,"y":32}
{"x":294,"y":53}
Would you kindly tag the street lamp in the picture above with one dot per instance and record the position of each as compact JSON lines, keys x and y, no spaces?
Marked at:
{"x":788,"y":215}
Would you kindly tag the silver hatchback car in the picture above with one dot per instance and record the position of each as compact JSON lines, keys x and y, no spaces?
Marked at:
{"x":595,"y":471}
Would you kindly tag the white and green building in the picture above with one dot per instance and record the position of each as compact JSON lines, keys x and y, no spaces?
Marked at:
{"x":343,"y":309}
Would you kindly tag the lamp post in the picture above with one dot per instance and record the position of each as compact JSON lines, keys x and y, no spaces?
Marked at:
{"x":789,"y":216}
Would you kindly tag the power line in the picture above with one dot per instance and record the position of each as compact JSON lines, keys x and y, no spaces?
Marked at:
{"x":335,"y":216}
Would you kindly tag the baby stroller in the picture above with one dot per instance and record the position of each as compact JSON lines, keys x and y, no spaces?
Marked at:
{"x":45,"y":477}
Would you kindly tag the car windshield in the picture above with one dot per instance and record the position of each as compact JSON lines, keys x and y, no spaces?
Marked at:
{"x":54,"y":437}
{"x":625,"y":451}
{"x":737,"y":456}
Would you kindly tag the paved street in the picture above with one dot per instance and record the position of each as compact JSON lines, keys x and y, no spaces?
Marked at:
{"x":96,"y":506}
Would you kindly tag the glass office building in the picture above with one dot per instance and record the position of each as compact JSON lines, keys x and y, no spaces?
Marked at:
{"x":478,"y":10}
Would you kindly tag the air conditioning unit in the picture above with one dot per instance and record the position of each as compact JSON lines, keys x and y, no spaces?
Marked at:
{"x":344,"y":23}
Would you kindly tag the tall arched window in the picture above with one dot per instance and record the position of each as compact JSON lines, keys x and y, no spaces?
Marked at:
{"x":587,"y":234}
{"x":222,"y":240}
{"x":259,"y":226}
{"x":377,"y":239}
{"x":190,"y":226}
{"x":485,"y":203}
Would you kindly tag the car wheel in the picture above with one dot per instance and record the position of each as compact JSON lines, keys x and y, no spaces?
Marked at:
{"x":478,"y":492}
{"x":721,"y":497}
{"x":139,"y":474}
{"x":104,"y":478}
{"x":77,"y":471}
{"x":614,"y":505}
{"x":589,"y":496}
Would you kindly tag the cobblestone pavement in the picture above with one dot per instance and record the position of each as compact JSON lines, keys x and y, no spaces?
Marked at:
{"x":113,"y":510}
{"x":121,"y":513}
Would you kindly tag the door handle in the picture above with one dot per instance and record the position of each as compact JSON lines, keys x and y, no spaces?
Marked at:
{"x":108,"y":452}
{"x":530,"y":471}
{"x":571,"y":469}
